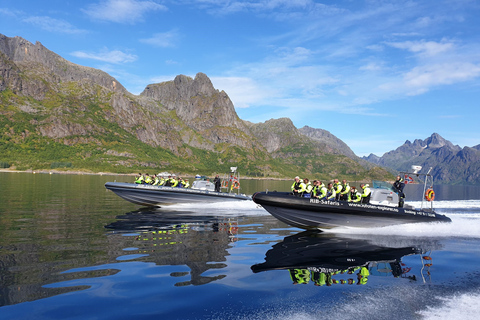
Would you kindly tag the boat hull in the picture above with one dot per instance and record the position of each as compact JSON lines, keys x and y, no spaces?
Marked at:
{"x":148,"y":195}
{"x":311,"y":213}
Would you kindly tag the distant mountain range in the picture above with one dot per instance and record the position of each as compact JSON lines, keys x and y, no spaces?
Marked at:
{"x":55,"y":114}
{"x":450,"y":163}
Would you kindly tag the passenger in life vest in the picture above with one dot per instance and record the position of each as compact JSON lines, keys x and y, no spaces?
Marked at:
{"x":186,"y":184}
{"x":148,"y":179}
{"x":366,"y":193}
{"x":162,"y":181}
{"x":156,"y":180}
{"x":345,"y":193}
{"x":139,"y":179}
{"x":179,"y":183}
{"x":331,"y":193}
{"x":296,"y":186}
{"x":338,"y":188}
{"x":355,"y":196}
{"x":398,"y":186}
{"x":305,"y":187}
{"x":321,"y":191}
{"x":173,"y":182}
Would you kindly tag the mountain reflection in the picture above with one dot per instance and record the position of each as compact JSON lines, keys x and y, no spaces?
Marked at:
{"x":177,"y":238}
{"x":325,"y":259}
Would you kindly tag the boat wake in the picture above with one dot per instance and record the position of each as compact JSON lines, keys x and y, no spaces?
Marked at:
{"x":224,"y":208}
{"x":465,"y":223}
{"x":451,"y":204}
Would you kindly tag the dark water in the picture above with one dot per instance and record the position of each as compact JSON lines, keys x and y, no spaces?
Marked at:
{"x":69,"y":249}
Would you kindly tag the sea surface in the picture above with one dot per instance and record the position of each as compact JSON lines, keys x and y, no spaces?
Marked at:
{"x":70,"y":249}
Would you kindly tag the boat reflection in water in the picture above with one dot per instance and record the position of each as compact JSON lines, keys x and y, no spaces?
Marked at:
{"x":325,"y":259}
{"x":176,"y":238}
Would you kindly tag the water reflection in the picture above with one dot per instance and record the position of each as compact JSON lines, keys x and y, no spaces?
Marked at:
{"x":325,"y":259}
{"x":176,"y":238}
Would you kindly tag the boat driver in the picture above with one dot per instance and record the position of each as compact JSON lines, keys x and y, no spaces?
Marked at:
{"x":398,"y":186}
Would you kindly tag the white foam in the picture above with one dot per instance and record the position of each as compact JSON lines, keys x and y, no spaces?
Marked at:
{"x":453,"y":204}
{"x":235,"y":208}
{"x":462,"y":225}
{"x":464,"y":306}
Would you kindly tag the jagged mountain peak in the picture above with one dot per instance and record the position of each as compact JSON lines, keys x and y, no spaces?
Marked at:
{"x":437,"y":141}
{"x":451,"y":164}
{"x":37,"y":59}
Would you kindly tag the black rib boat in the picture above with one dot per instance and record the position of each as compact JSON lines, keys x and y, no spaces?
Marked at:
{"x":312,"y":213}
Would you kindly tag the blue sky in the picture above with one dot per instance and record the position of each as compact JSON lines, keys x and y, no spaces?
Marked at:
{"x":373,"y":73}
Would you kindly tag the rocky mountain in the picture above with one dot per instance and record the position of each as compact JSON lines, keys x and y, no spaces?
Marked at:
{"x":328,"y":140}
{"x":450,"y":163}
{"x":56,"y":114}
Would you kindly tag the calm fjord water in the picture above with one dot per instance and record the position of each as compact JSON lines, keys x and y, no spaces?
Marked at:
{"x":70,"y":249}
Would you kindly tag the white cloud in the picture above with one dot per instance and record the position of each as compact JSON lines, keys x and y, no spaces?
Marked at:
{"x":9,"y":12}
{"x":425,"y":48}
{"x":114,"y":56}
{"x":53,"y":25}
{"x":163,"y":39}
{"x":423,"y":77}
{"x":122,"y":11}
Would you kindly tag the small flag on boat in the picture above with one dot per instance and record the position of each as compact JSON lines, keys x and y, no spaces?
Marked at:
{"x":408,"y":179}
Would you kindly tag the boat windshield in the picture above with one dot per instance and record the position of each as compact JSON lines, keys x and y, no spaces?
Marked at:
{"x":382,"y":185}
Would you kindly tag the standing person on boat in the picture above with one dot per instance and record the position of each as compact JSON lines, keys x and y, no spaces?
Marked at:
{"x":398,"y":186}
{"x":218,"y":183}
{"x":366,"y":193}
{"x":331,"y":193}
{"x":355,"y":196}
{"x":345,"y":193}
{"x":296,"y":186}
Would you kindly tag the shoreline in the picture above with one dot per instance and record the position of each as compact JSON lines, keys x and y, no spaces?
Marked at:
{"x":55,"y":171}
